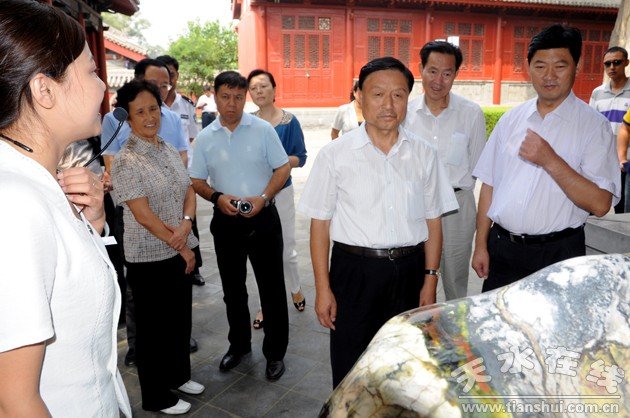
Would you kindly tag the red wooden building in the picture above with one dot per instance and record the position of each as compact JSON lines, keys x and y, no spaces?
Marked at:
{"x":88,"y":14}
{"x":316,"y":48}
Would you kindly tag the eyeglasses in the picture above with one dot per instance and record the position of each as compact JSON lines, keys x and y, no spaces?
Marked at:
{"x":616,"y":63}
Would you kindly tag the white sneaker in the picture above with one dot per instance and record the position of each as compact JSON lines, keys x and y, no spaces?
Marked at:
{"x":192,"y":388}
{"x":181,"y":407}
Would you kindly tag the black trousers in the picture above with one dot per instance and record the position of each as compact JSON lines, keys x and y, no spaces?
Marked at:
{"x":260,"y":238}
{"x":163,"y":306}
{"x":207,"y":118}
{"x":511,"y":261}
{"x":368,"y":292}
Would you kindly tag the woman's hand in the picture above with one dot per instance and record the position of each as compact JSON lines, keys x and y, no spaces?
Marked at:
{"x":189,"y":257}
{"x":84,"y":188}
{"x":180,"y":235}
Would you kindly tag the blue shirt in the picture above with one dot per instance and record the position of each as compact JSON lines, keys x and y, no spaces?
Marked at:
{"x":292,"y":139}
{"x":171,"y":130}
{"x":238,"y":163}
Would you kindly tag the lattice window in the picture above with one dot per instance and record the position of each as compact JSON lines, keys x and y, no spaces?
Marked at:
{"x":477,"y":55}
{"x":389,"y":46}
{"x":325,"y":51}
{"x":324,"y":23}
{"x":306,"y":23}
{"x":404,"y":50}
{"x":480,"y":28}
{"x":374,"y":47}
{"x":598,"y":57}
{"x":313,"y":51}
{"x":465,"y":52}
{"x":299,"y":51}
{"x":531,"y":31}
{"x":587,"y":59}
{"x":594,"y":35}
{"x":464,"y":29}
{"x":287,"y":50}
{"x":390,"y":25}
{"x":519,"y":57}
{"x":519,"y":32}
{"x":449,"y":28}
{"x":374,"y":25}
{"x":405,"y":26}
{"x":288,"y":22}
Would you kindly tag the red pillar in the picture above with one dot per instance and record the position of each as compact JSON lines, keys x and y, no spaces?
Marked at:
{"x":498,"y":62}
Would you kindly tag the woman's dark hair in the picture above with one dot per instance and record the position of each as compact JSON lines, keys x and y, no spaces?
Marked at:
{"x":257,"y":72}
{"x":130,"y":91}
{"x":355,"y":87}
{"x":34,"y":38}
{"x":385,"y":63}
{"x":232,"y":79}
{"x":557,"y":36}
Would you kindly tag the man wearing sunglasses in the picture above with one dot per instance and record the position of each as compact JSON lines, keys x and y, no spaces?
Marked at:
{"x":612,"y":99}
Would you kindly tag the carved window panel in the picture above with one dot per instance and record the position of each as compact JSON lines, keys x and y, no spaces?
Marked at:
{"x":477,"y":55}
{"x":519,"y":32}
{"x":404,"y":50}
{"x":389,"y":46}
{"x":519,"y":57}
{"x":324,"y":23}
{"x":299,"y":51}
{"x":374,"y":47}
{"x":390,"y":25}
{"x":313,"y":51}
{"x":287,"y":50}
{"x":449,"y":28}
{"x":587,"y":59}
{"x":531,"y":31}
{"x":480,"y":29}
{"x":405,"y":26}
{"x":374,"y":25}
{"x":288,"y":22}
{"x":464,"y":29}
{"x":326,"y":51}
{"x":594,"y":35}
{"x":306,"y":23}
{"x":464,"y":46}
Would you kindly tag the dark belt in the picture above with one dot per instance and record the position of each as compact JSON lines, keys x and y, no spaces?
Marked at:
{"x":537,"y":239}
{"x":391,"y":253}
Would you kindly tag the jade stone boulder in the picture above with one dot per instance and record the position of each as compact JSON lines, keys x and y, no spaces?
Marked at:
{"x":555,"y":344}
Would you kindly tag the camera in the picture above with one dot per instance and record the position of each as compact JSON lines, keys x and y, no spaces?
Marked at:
{"x":243,"y":206}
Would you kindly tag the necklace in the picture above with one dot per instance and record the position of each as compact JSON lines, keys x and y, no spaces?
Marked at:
{"x":18,"y":143}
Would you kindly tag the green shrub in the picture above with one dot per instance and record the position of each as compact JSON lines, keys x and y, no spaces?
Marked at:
{"x":493,"y":114}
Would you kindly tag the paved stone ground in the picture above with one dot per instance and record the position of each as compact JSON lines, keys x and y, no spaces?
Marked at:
{"x":244,"y":391}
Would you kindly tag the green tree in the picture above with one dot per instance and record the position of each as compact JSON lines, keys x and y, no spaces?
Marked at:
{"x":203,"y":51}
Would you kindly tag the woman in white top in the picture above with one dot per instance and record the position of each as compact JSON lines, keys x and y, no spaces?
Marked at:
{"x":348,"y":117}
{"x":59,"y":300}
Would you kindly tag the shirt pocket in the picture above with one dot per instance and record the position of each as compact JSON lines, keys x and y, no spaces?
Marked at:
{"x":414,"y":199}
{"x":457,"y":146}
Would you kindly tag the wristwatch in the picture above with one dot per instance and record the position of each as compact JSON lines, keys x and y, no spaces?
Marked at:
{"x":188,"y":218}
{"x":264,"y":196}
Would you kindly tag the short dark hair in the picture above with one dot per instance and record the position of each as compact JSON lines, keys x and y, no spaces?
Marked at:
{"x":557,"y":36}
{"x":385,"y":63}
{"x":355,"y":87}
{"x":617,"y":49}
{"x":141,"y":67}
{"x":128,"y":93}
{"x":232,"y":79}
{"x":441,"y":47}
{"x":257,"y":72}
{"x":168,"y":60}
{"x":34,"y":38}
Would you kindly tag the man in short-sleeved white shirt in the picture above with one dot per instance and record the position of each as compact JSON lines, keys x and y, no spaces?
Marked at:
{"x":548,"y":164}
{"x":378,"y":192}
{"x":456,"y":127}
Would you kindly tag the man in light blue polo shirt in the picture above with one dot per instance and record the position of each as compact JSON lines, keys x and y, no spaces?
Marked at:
{"x":239,"y":164}
{"x":171,"y":129}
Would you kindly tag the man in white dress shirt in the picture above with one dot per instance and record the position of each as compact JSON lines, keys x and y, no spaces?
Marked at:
{"x":457,"y":128}
{"x":378,"y":193}
{"x":548,"y":164}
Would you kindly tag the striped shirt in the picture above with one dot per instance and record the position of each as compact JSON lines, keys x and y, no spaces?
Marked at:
{"x":612,"y":105}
